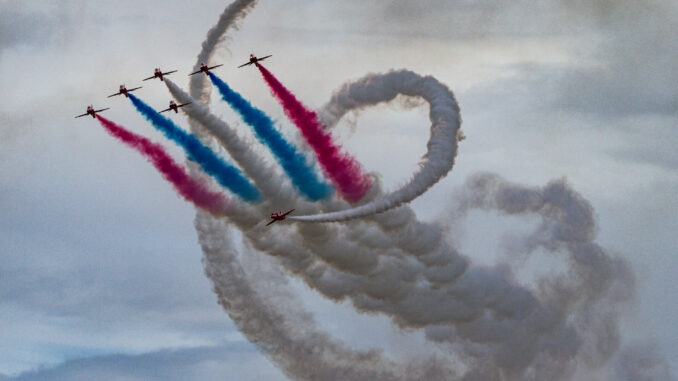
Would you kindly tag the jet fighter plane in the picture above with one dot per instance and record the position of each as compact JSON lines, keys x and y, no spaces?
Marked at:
{"x":123,"y":90}
{"x":204,"y":68}
{"x":92,"y":111}
{"x":175,"y":107}
{"x":157,"y":73}
{"x":254,"y":60}
{"x":279,"y":216}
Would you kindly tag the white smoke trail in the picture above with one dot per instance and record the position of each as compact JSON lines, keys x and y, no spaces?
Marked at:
{"x":290,"y":339}
{"x":334,"y":246}
{"x":414,"y":236}
{"x":337,"y":248}
{"x":500,"y":329}
{"x":228,"y":19}
{"x":442,"y":144}
{"x":258,"y":321}
{"x":278,"y":341}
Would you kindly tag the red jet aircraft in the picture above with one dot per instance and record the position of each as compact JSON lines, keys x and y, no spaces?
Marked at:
{"x":92,"y":111}
{"x":204,"y":68}
{"x":254,"y":60}
{"x":123,"y":90}
{"x":279,"y":216}
{"x":158,"y":74}
{"x":175,"y":107}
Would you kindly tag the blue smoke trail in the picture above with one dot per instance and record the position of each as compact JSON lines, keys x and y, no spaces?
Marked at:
{"x":293,"y":162}
{"x":227,"y":175}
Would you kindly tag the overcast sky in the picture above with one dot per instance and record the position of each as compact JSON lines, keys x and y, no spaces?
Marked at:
{"x":100,"y":269}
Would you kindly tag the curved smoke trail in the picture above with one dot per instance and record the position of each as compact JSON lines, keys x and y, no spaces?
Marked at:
{"x":290,"y":338}
{"x":191,"y":189}
{"x":442,"y":144}
{"x":292,"y":161}
{"x":226,"y":174}
{"x":252,"y":312}
{"x":342,"y":247}
{"x":343,"y":170}
{"x":492,"y":326}
{"x":228,"y":19}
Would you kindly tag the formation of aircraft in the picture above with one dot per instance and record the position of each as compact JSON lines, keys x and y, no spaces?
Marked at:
{"x":175,"y":107}
{"x":254,"y":60}
{"x":205,"y":69}
{"x":279,"y":216}
{"x":123,"y":90}
{"x":92,"y":111}
{"x":157,"y":73}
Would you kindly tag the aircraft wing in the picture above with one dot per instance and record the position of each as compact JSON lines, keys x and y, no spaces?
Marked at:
{"x":272,"y":221}
{"x":165,"y":110}
{"x":169,"y":72}
{"x":195,"y":73}
{"x":245,"y":64}
{"x":146,"y":79}
{"x":263,"y":58}
{"x":136,"y":88}
{"x":103,"y":109}
{"x":85,"y":114}
{"x":288,"y":212}
{"x":187,"y":103}
{"x":115,"y":94}
{"x":214,"y":67}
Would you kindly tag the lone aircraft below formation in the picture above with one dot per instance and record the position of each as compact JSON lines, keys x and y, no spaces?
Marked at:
{"x":278,"y":216}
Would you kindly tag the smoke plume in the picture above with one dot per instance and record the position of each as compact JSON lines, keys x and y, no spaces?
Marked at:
{"x":343,"y":170}
{"x":191,"y":189}
{"x":442,"y":145}
{"x":227,"y":175}
{"x":291,"y":160}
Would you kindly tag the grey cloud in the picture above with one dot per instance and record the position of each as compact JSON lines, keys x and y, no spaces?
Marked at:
{"x":18,"y":26}
{"x":205,"y":363}
{"x":639,"y":66}
{"x":456,"y":19}
{"x":636,"y":69}
{"x":641,"y":362}
{"x":22,"y":24}
{"x":650,"y":147}
{"x":531,"y":99}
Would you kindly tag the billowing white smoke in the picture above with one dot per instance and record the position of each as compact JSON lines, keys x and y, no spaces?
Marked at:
{"x":392,"y":264}
{"x":290,"y":338}
{"x":442,"y":144}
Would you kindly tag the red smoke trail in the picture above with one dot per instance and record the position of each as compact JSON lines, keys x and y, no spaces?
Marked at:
{"x":188,"y":187}
{"x":344,"y":171}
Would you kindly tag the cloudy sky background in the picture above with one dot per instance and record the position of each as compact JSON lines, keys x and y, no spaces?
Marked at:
{"x":99,"y":263}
